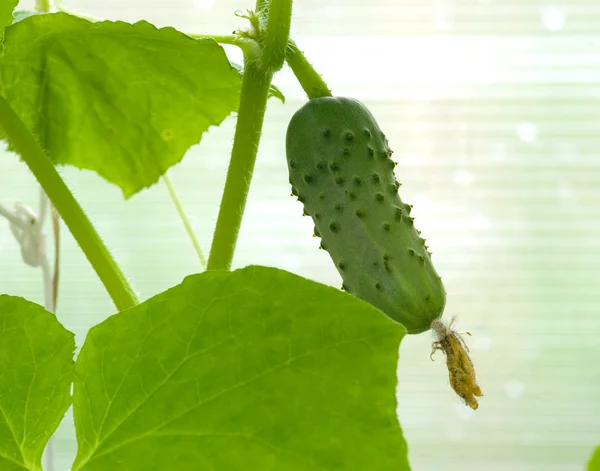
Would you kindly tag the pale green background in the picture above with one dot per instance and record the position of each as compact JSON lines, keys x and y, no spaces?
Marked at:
{"x":493,"y":110}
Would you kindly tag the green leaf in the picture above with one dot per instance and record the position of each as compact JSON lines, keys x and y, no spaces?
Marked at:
{"x":6,"y":14}
{"x":36,"y":365}
{"x":594,"y":464}
{"x":126,"y":101}
{"x":274,"y":92}
{"x":255,"y":369}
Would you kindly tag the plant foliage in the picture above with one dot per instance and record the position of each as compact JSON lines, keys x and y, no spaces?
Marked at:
{"x":36,"y":373}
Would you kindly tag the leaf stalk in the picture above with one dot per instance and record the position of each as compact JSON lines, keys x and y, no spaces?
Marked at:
{"x":67,"y":206}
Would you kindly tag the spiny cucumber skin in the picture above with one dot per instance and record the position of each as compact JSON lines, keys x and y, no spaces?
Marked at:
{"x":340,"y":168}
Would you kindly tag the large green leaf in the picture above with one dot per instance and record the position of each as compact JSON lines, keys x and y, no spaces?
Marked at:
{"x":36,"y":369}
{"x":124,"y":100}
{"x":594,"y":464}
{"x":257,"y":369}
{"x":6,"y":14}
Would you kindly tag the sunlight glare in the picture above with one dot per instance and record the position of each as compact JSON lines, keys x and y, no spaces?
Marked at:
{"x":204,"y":4}
{"x":553,"y":18}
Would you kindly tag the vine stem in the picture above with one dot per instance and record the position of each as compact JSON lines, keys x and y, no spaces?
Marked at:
{"x":258,"y":72}
{"x":261,"y":6}
{"x":251,"y":113}
{"x":184,"y":219}
{"x":221,"y":39}
{"x":43,"y":6}
{"x":67,"y":206}
{"x":276,"y":37}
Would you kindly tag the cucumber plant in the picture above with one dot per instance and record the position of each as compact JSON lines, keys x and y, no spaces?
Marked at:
{"x":219,"y":372}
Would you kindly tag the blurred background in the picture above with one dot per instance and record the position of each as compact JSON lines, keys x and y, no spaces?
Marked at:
{"x":493,"y":110}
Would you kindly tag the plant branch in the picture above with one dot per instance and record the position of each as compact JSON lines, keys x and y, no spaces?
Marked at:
{"x":45,"y":265}
{"x":261,"y":6}
{"x":184,"y":219}
{"x":69,"y":209}
{"x":43,"y":6}
{"x":258,"y":72}
{"x":55,"y":277}
{"x":312,"y":83}
{"x":253,"y":104}
{"x":221,"y":39}
{"x":276,"y":37}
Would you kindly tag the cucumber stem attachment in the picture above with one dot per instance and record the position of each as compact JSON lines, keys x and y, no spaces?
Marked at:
{"x":313,"y":84}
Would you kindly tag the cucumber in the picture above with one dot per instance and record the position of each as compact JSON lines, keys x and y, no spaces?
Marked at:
{"x":340,"y":169}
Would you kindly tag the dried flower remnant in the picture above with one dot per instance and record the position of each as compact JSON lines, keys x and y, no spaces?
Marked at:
{"x":460,"y":367}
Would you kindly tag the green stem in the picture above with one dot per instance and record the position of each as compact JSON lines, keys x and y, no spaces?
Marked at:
{"x":261,"y":6}
{"x":63,"y":200}
{"x":253,"y":104}
{"x":221,"y":39}
{"x":312,"y":83}
{"x":184,"y":219}
{"x":43,"y":6}
{"x":276,"y":37}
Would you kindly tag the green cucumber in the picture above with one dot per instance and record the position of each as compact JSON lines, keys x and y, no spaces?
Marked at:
{"x":340,"y":169}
